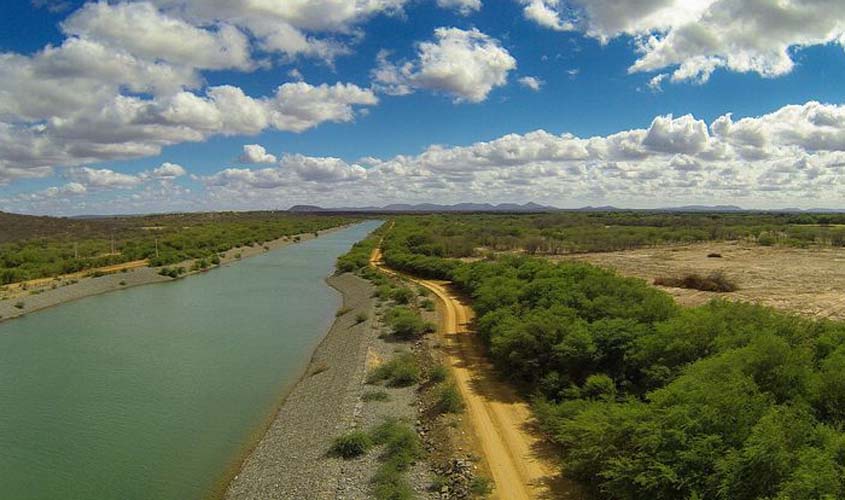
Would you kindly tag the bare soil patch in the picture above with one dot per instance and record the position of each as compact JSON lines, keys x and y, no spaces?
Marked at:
{"x":809,"y":281}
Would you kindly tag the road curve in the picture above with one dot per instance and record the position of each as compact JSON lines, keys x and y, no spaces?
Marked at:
{"x":502,"y":421}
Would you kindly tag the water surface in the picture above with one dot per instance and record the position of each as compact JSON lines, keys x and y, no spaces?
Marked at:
{"x":153,"y":392}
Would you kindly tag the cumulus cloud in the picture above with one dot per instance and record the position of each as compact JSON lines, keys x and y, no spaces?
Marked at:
{"x":531,"y":82}
{"x":694,"y":38}
{"x":141,"y":29}
{"x":168,"y":170}
{"x":463,"y":7}
{"x":292,"y":27}
{"x":546,"y":13}
{"x":792,"y":156}
{"x":103,"y":177}
{"x":466,"y":64}
{"x":255,"y":153}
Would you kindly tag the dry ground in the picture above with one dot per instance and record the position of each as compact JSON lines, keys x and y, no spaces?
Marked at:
{"x":807,"y":281}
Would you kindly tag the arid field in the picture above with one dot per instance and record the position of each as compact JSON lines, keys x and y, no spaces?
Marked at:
{"x":808,"y":281}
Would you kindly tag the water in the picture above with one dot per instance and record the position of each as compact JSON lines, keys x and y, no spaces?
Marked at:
{"x":154,"y":392}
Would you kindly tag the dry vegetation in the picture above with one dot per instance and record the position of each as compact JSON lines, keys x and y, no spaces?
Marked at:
{"x":809,"y":281}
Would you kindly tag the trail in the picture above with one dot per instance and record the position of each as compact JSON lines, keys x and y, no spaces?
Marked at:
{"x":515,"y":454}
{"x":114,"y":268}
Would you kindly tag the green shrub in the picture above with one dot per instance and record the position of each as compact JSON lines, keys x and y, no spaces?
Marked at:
{"x":713,"y":282}
{"x":407,"y":324}
{"x":351,"y":445}
{"x":481,"y":486}
{"x":402,"y":295}
{"x":375,"y":396}
{"x":448,"y":399}
{"x":400,"y":371}
{"x":438,"y":373}
{"x":361,"y":317}
{"x":427,"y":304}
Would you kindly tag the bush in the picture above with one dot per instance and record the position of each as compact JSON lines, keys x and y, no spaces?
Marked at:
{"x":448,"y":399}
{"x":714,"y":255}
{"x":402,"y":295}
{"x":438,"y":373}
{"x":402,"y":447}
{"x":427,"y":304}
{"x":19,"y":305}
{"x":351,"y":445}
{"x":400,"y":371}
{"x":713,"y":282}
{"x":407,"y":324}
{"x":375,"y":396}
{"x":361,"y":317}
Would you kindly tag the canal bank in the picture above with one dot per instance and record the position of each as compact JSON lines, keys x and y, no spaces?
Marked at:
{"x":150,"y":393}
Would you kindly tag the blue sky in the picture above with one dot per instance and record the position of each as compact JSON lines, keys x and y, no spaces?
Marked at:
{"x":456,"y":123}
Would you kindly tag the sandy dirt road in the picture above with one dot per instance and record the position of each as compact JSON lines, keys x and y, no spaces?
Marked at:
{"x":514,"y":452}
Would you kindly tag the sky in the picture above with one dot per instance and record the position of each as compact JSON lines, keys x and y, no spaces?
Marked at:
{"x":115,"y":107}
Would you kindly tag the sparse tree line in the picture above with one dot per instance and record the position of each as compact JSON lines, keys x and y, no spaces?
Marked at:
{"x":646,"y":399}
{"x":163,"y":240}
{"x":475,"y":235}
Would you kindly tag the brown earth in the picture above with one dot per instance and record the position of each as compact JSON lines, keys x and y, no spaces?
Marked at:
{"x":809,"y":281}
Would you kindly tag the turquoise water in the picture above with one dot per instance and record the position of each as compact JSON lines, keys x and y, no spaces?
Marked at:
{"x":153,"y":392}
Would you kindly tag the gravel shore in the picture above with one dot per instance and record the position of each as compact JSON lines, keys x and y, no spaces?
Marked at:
{"x":290,"y":461}
{"x":61,"y":290}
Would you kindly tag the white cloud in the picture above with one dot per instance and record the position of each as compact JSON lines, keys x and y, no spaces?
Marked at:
{"x":141,"y":29}
{"x":168,"y":170}
{"x":793,"y":156}
{"x":103,"y":177}
{"x":463,"y":7}
{"x":531,"y":82}
{"x":546,"y":13}
{"x":466,"y":64}
{"x":696,"y":37}
{"x":291,"y":27}
{"x":255,"y":153}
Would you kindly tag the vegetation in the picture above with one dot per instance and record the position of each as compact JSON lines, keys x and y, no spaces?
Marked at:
{"x":401,"y":371}
{"x":448,"y":399}
{"x":351,"y":445}
{"x":375,"y":396}
{"x":37,"y":247}
{"x":648,"y":400}
{"x":402,"y":447}
{"x":406,"y":324}
{"x":713,"y":282}
{"x":421,"y":242}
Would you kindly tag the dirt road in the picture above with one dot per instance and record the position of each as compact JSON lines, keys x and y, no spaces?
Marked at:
{"x":515,"y":455}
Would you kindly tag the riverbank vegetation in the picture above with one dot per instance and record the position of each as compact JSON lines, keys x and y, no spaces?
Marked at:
{"x":477,"y":235}
{"x":38,"y":247}
{"x":646,"y":399}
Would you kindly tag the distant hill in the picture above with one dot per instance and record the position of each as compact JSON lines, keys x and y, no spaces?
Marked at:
{"x":432,"y":207}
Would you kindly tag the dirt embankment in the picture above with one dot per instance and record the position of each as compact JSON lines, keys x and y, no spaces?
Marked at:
{"x":808,"y":281}
{"x":19,"y":299}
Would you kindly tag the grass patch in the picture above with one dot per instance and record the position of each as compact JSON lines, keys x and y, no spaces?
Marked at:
{"x":401,"y":371}
{"x":19,"y":305}
{"x":448,"y":399}
{"x":361,"y":317}
{"x":481,"y":486}
{"x":427,"y":304}
{"x":351,"y":445}
{"x":713,"y":282}
{"x":375,"y":396}
{"x":402,"y":295}
{"x":402,"y":447}
{"x":407,"y":324}
{"x":438,"y":373}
